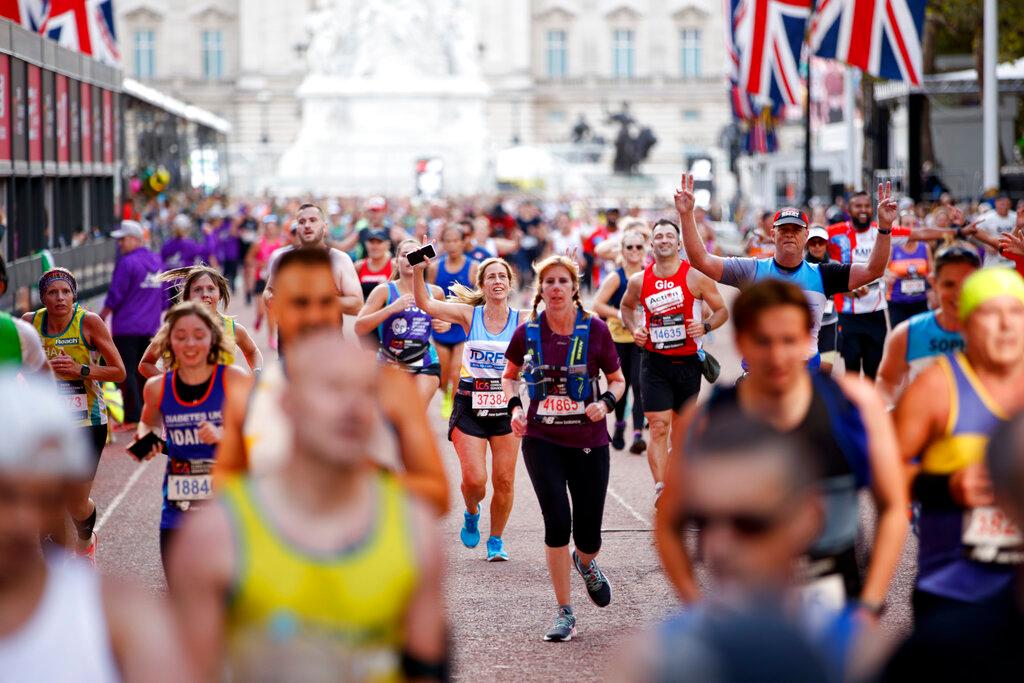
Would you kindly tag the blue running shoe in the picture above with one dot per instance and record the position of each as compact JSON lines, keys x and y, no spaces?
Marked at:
{"x":496,"y":550}
{"x":471,"y":530}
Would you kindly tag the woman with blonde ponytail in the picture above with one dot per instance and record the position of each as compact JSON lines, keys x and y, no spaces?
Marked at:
{"x":560,"y":354}
{"x":479,"y":410}
{"x":206,"y":286}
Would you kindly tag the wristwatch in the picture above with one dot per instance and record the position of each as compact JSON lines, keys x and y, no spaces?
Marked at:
{"x":884,"y":232}
{"x":707,"y":328}
{"x":85,"y":371}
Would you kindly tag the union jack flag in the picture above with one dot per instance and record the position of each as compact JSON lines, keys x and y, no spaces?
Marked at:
{"x":768,"y":39}
{"x":756,"y":115}
{"x":881,"y":37}
{"x":86,"y":26}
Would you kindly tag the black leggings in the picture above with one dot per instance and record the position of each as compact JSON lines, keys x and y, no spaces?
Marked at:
{"x":558,"y":472}
{"x":630,"y":359}
{"x":166,"y":539}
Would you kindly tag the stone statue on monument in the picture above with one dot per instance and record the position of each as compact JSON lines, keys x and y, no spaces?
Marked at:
{"x":630,"y":149}
{"x":391,"y":39}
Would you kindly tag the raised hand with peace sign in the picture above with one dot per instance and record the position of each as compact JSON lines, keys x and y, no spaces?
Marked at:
{"x":888,"y":210}
{"x":684,"y":198}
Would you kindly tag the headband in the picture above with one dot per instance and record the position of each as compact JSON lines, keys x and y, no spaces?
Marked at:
{"x":51,"y":276}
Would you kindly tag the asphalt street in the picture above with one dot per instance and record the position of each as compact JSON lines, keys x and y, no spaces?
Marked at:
{"x":498,"y":611}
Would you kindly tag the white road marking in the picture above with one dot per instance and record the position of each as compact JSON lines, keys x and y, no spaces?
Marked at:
{"x":629,"y":508}
{"x":120,"y":496}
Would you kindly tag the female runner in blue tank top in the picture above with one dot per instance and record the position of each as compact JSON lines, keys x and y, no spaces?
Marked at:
{"x":453,"y":268}
{"x":480,"y":414}
{"x":404,"y":329}
{"x":188,"y":402}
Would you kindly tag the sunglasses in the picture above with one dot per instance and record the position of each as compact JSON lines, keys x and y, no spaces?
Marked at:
{"x":633,"y":247}
{"x":747,"y":524}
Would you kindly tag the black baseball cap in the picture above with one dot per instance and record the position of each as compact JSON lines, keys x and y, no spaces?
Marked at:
{"x":790,"y":216}
{"x":381,"y":235}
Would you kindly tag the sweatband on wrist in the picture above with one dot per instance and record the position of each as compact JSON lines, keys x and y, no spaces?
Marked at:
{"x":608,"y":398}
{"x":514,"y":402}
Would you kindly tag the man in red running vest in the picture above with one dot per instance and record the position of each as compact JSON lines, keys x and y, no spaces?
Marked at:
{"x":672,"y":295}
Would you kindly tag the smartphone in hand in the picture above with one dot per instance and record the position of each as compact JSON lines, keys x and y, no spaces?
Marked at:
{"x":422,"y":254}
{"x":144,"y":446}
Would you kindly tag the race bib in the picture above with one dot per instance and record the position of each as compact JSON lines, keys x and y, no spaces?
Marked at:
{"x":827,"y":593}
{"x":189,"y":487}
{"x":489,"y":400}
{"x":668,"y":331}
{"x":912,"y":286}
{"x":77,"y":402}
{"x":991,"y":536}
{"x":560,"y":410}
{"x":75,"y":398}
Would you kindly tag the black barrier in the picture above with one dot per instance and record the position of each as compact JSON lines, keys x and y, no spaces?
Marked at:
{"x":92,"y":264}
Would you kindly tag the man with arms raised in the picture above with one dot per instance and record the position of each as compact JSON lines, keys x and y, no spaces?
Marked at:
{"x":819,"y":281}
{"x":340,"y":573}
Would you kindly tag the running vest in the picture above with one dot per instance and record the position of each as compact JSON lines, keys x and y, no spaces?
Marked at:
{"x":483,"y":362}
{"x":911,"y":272}
{"x":313,"y":616}
{"x":807,"y":277}
{"x":84,"y":397}
{"x":926,"y":340}
{"x":188,"y":477}
{"x":445,"y":280}
{"x":965,"y":554}
{"x":10,"y":341}
{"x":368,"y":279}
{"x":405,"y":336}
{"x":620,"y":335}
{"x":834,"y":426}
{"x":668,"y":305}
{"x":561,"y":392}
{"x":66,"y":638}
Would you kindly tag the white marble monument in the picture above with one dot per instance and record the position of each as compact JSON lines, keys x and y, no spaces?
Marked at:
{"x":389,"y":82}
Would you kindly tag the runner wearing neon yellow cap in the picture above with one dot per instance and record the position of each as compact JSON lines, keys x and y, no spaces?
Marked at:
{"x":968,"y":549}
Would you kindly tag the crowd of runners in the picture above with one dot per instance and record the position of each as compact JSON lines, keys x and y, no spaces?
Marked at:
{"x":882,"y":348}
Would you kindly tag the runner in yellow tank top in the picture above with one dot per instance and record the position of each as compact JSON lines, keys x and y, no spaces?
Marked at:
{"x":205,"y":285}
{"x":345,"y":585}
{"x":74,"y":341}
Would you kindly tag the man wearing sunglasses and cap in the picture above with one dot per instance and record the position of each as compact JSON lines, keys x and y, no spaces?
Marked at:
{"x":915,"y":343}
{"x":968,"y":551}
{"x":819,"y":281}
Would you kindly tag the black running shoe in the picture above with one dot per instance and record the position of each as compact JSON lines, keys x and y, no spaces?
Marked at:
{"x":598,"y":588}
{"x":619,"y":437}
{"x":639,"y":445}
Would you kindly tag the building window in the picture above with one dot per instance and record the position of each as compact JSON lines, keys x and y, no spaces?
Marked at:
{"x":690,"y":52}
{"x":623,"y":53}
{"x":145,"y":54}
{"x":556,"y":54}
{"x":213,"y":55}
